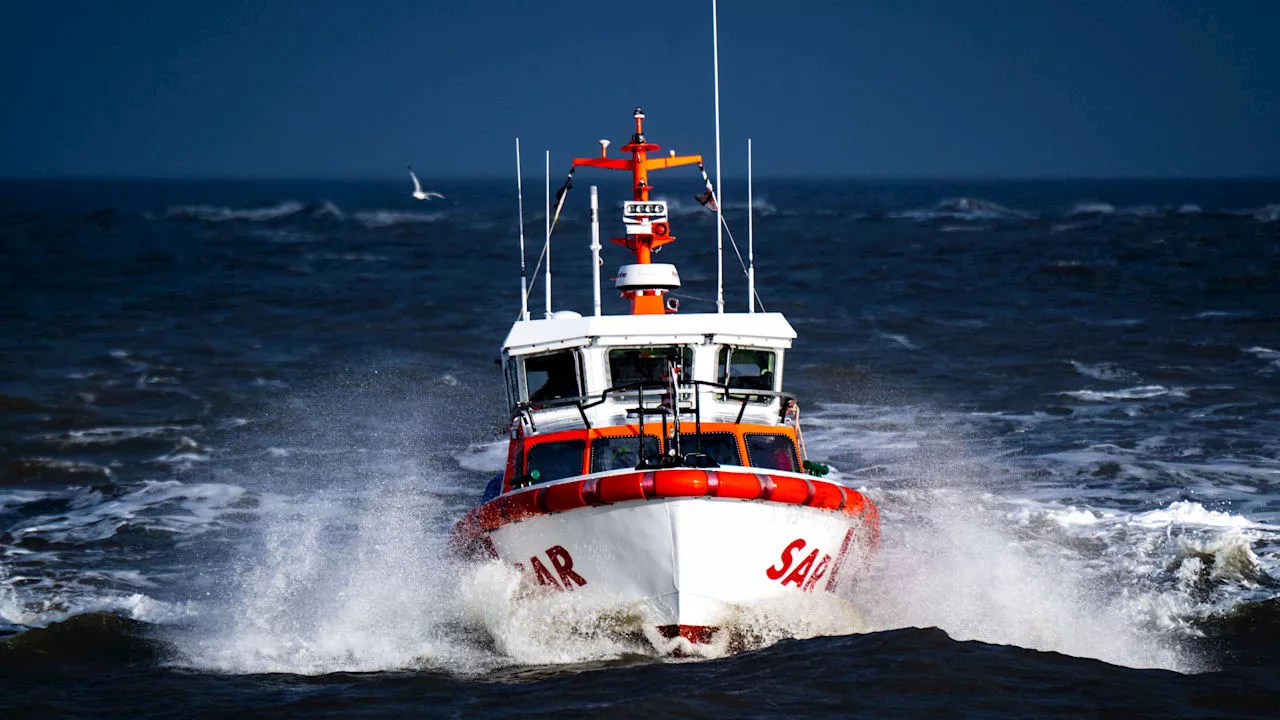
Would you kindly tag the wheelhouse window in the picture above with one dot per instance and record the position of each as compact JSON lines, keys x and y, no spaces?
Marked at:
{"x":647,"y":364}
{"x":619,"y":453}
{"x":746,"y":368}
{"x":556,"y":460}
{"x":552,"y":376}
{"x":772,"y":451}
{"x":722,"y":447}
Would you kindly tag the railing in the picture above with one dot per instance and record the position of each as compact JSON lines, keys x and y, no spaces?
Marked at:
{"x":582,"y":403}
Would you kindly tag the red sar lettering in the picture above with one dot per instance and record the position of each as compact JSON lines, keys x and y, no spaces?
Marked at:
{"x":562,"y":561}
{"x":806,"y":573}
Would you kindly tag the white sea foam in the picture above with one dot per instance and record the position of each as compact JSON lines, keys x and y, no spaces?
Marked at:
{"x":963,"y":208}
{"x":900,"y":340}
{"x":951,"y":560}
{"x":391,"y":218}
{"x":1017,"y":565}
{"x":1092,"y":208}
{"x":355,"y":579}
{"x":211,"y":213}
{"x":1191,"y":513}
{"x":339,"y":583}
{"x":488,"y":457}
{"x":113,"y":435}
{"x":1268,"y":213}
{"x":21,"y":609}
{"x":1141,"y":211}
{"x":1144,"y":392}
{"x":1210,"y":314}
{"x":1103,"y":371}
{"x":329,"y":209}
{"x":1271,"y":356}
{"x":159,"y":506}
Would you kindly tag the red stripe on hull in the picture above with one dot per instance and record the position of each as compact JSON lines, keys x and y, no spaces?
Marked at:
{"x":664,"y":484}
{"x":696,"y":634}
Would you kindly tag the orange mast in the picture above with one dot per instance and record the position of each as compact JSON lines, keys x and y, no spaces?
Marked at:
{"x":643,"y":302}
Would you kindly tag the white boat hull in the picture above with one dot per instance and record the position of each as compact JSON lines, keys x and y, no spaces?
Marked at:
{"x":687,"y":566}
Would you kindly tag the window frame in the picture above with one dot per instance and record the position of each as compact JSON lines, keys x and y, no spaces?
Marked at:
{"x":591,"y":449}
{"x":725,"y":377}
{"x":533,"y":447}
{"x":578,"y":370}
{"x":689,"y":441}
{"x":686,"y":358}
{"x":791,"y":446}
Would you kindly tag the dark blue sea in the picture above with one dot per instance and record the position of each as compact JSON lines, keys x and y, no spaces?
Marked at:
{"x":239,"y":419}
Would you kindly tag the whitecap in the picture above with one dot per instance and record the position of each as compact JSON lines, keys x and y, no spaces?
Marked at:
{"x":962,"y":208}
{"x":167,"y":506}
{"x":1267,"y":213}
{"x":484,"y":457}
{"x":1185,"y":512}
{"x":1103,"y":371}
{"x":1210,"y":314}
{"x":211,"y":213}
{"x":1262,"y":353}
{"x":104,"y":436}
{"x":1073,"y":517}
{"x":1143,"y":392}
{"x":1092,"y":208}
{"x":901,"y":340}
{"x":328,"y":209}
{"x":391,"y":218}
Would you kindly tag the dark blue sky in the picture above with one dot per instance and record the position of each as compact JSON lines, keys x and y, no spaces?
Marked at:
{"x":880,"y":88}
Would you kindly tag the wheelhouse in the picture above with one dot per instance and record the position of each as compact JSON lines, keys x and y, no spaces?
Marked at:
{"x":703,"y":390}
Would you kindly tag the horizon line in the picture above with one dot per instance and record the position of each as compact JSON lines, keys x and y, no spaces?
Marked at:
{"x":733,"y":177}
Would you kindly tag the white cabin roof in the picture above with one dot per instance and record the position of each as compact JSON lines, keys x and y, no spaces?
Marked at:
{"x":570,"y":330}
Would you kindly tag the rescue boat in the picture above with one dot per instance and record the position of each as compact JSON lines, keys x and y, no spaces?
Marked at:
{"x":655,"y":464}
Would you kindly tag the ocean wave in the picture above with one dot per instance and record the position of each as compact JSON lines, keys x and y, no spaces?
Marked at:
{"x":1098,"y":209}
{"x":53,"y":471}
{"x":1103,"y":371}
{"x":899,"y":340}
{"x":1192,"y":513}
{"x":1091,"y":208}
{"x":109,"y":436}
{"x":100,"y":513}
{"x":1144,"y":392}
{"x":1272,"y":357}
{"x":1268,"y":213}
{"x":1067,"y":268}
{"x":93,"y":638}
{"x":963,"y":208}
{"x":212,"y":213}
{"x":391,"y":218}
{"x":329,"y":209}
{"x":485,"y":457}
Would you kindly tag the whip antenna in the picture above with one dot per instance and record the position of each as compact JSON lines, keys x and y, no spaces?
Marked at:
{"x":715,"y":51}
{"x":524,"y":282}
{"x":751,"y":246}
{"x":546,"y":247}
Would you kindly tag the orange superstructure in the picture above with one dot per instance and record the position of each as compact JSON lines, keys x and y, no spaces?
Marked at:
{"x":642,"y":244}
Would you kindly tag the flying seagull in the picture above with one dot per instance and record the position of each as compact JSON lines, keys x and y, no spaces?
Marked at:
{"x":417,"y":188}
